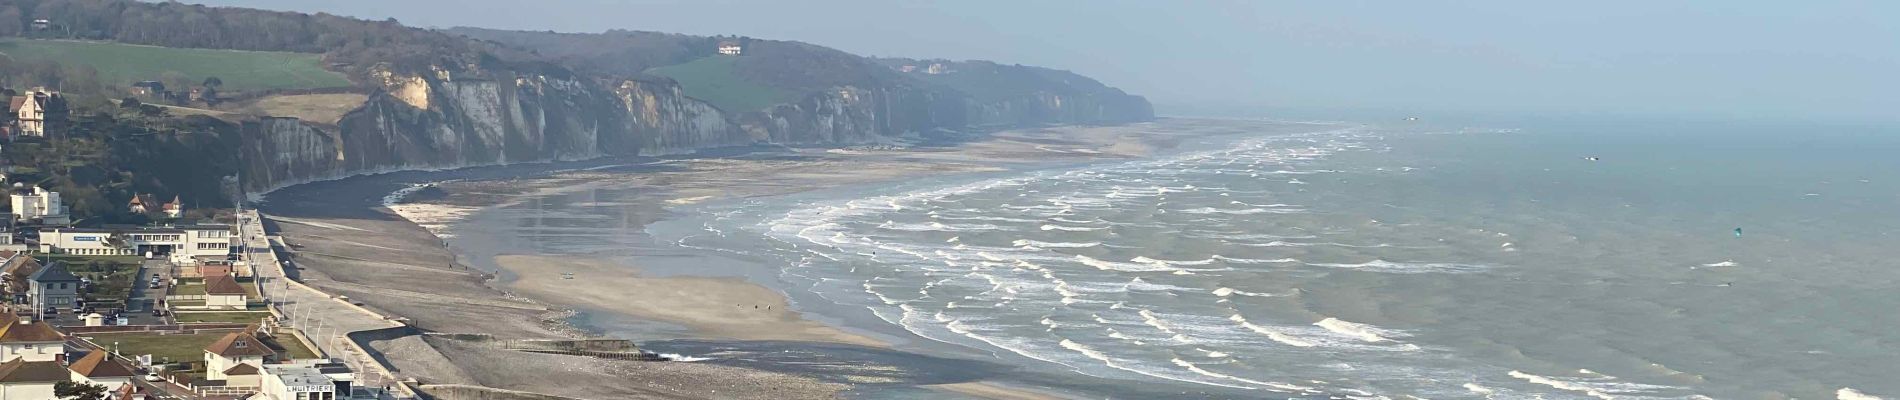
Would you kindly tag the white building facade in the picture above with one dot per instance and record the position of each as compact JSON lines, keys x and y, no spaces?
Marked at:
{"x":39,"y":204}
{"x":315,"y":380}
{"x":185,"y":245}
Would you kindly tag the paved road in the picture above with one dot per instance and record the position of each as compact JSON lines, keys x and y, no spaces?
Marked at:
{"x":143,"y":299}
{"x":138,"y":302}
{"x":323,"y":319}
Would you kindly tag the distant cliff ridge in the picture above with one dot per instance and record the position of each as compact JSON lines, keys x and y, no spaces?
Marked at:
{"x":450,"y":120}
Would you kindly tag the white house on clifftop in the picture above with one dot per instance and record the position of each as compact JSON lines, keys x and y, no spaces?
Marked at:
{"x":730,"y":48}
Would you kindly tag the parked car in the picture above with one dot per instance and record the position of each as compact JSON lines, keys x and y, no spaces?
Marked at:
{"x":52,"y":310}
{"x":153,"y":377}
{"x":158,"y":312}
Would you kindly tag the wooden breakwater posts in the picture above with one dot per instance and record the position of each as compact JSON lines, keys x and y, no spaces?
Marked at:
{"x":613,"y":349}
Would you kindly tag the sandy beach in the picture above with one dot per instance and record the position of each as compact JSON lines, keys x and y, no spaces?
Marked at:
{"x":347,"y":242}
{"x":717,"y":308}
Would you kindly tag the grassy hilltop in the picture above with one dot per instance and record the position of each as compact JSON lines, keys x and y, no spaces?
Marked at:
{"x":717,"y":80}
{"x":122,"y":64}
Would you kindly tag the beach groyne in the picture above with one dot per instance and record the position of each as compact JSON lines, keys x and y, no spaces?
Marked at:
{"x":470,"y":392}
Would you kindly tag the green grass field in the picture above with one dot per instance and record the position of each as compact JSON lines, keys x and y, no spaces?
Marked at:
{"x":187,"y":347}
{"x":715,"y":80}
{"x":184,"y":347}
{"x":222,"y":317}
{"x":123,"y":64}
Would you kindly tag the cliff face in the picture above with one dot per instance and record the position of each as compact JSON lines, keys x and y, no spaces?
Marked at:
{"x":441,"y":120}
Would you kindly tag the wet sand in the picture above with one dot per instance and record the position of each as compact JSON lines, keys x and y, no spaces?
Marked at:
{"x":715,"y":308}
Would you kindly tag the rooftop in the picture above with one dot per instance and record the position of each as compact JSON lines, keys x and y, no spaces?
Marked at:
{"x":53,"y":272}
{"x":97,"y":365}
{"x":298,"y":375}
{"x":242,"y":369}
{"x":13,"y":330}
{"x":239,"y":344}
{"x":224,"y":285}
{"x":20,"y":371}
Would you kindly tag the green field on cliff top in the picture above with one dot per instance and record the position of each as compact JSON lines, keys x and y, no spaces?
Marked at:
{"x":716,"y":80}
{"x":122,"y":64}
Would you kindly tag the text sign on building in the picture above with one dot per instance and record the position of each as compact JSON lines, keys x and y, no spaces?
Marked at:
{"x":310,"y":388}
{"x":85,"y":238}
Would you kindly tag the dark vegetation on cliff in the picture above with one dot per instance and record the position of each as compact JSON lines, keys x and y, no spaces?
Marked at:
{"x":107,"y":157}
{"x":348,"y":44}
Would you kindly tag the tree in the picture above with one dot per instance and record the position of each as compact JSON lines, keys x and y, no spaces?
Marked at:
{"x":130,"y":102}
{"x":213,"y":82}
{"x":79,"y":391}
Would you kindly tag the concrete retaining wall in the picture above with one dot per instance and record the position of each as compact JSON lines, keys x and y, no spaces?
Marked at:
{"x":467,"y":392}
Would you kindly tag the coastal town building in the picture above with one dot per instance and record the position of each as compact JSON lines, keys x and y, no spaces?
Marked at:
{"x":22,"y":338}
{"x":53,"y":286}
{"x":146,"y":203}
{"x":174,"y":209}
{"x":21,"y":379}
{"x":8,"y":240}
{"x":38,"y":204}
{"x":98,"y":368}
{"x":224,"y":291}
{"x":33,"y":366}
{"x":184,"y":244}
{"x":140,"y":204}
{"x":230,"y":353}
{"x":309,"y":380}
{"x":13,"y":273}
{"x":33,"y":109}
{"x":937,"y":69}
{"x":730,"y":48}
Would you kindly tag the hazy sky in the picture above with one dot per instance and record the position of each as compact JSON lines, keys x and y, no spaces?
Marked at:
{"x":1813,"y":60}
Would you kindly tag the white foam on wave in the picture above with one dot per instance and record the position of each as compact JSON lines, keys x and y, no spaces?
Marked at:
{"x":1169,"y":263}
{"x":1054,"y":227}
{"x":1729,"y":263}
{"x":1050,"y":245}
{"x":1271,"y":333}
{"x":1244,"y":211}
{"x":1227,"y":291}
{"x":681,"y":358}
{"x":1256,"y":260}
{"x":1595,"y":385}
{"x":1853,"y":394}
{"x":1191,"y":367}
{"x":1112,"y":363}
{"x":1121,"y":266}
{"x":1480,"y":389}
{"x":1139,"y":284}
{"x":1561,"y":385}
{"x":984,"y":218}
{"x":1149,"y":317}
{"x":1406,"y":268}
{"x":1368,"y":333}
{"x":1076,"y":221}
{"x":938,"y":227}
{"x":1214,"y":354}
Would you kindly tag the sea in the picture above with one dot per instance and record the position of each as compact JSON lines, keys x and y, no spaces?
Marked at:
{"x":1579,"y":258}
